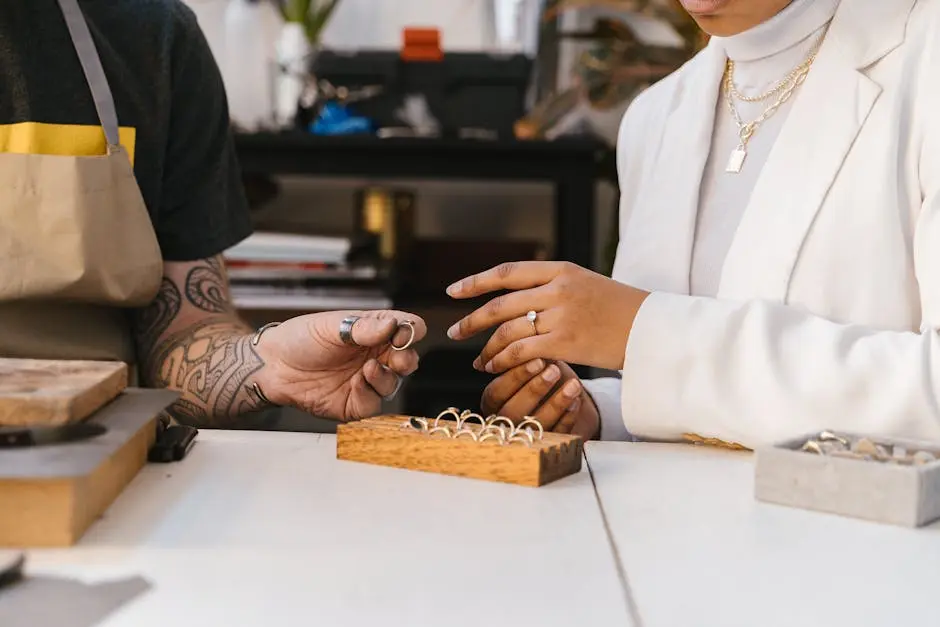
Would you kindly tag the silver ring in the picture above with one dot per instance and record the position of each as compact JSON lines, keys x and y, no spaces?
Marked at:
{"x":451,"y":411}
{"x":531,"y":421}
{"x":472,"y":435}
{"x":345,"y":330}
{"x":394,"y":392}
{"x":411,"y":338}
{"x":532,"y":316}
{"x":444,"y":430}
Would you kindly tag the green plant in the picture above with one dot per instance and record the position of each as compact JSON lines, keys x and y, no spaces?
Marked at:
{"x":312,"y":14}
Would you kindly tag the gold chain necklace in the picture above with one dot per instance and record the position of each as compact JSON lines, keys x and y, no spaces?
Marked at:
{"x":782,"y":83}
{"x":747,"y":129}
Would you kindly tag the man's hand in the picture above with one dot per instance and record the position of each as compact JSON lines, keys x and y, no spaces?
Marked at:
{"x":549,"y":392}
{"x":191,"y":339}
{"x":308,"y":366}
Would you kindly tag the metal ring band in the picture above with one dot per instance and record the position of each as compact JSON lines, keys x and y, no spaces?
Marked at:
{"x":256,"y":389}
{"x":532,"y":316}
{"x":532,"y":421}
{"x":472,"y":435}
{"x":499,"y":435}
{"x":443,"y":430}
{"x":450,"y":410}
{"x":256,"y":336}
{"x":345,"y":330}
{"x":411,"y":338}
{"x":418,"y":424}
{"x":394,"y":392}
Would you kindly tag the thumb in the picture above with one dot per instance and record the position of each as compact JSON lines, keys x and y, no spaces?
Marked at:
{"x":374,"y":331}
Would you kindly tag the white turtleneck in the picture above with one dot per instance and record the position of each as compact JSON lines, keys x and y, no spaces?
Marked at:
{"x":762,"y":56}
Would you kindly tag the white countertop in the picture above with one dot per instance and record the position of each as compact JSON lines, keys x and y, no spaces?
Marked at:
{"x":269,"y":529}
{"x":700,"y":551}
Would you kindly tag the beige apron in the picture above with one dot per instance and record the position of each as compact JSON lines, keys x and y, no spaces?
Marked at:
{"x":77,"y":246}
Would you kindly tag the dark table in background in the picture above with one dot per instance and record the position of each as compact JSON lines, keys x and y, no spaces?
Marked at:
{"x":572,"y":166}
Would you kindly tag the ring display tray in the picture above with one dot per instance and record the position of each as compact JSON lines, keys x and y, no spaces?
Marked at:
{"x":891,"y":481}
{"x":491,"y":449}
{"x":50,"y":494}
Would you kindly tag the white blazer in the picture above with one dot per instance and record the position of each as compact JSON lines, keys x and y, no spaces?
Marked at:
{"x":828,"y":311}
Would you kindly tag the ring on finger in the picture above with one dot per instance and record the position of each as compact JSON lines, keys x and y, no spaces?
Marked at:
{"x":345,"y":330}
{"x":411,"y":338}
{"x":398,"y":383}
{"x":533,"y":317}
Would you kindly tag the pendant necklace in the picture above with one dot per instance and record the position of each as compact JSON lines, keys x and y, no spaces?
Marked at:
{"x":785,"y":88}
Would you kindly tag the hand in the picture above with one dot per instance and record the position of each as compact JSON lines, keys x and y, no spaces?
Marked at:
{"x":581,"y":317}
{"x":551,"y":393}
{"x":308,"y":366}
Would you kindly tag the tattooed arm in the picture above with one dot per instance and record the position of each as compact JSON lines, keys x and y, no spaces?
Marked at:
{"x":190,"y":339}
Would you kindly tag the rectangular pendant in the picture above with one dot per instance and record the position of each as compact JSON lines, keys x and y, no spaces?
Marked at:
{"x":736,"y":162}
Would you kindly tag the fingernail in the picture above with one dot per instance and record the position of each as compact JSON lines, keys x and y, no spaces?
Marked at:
{"x":452,"y":332}
{"x":572,"y":389}
{"x":489,"y":367}
{"x":534,"y":366}
{"x":453,"y":289}
{"x":575,"y":405}
{"x":477,"y":364}
{"x":551,"y":374}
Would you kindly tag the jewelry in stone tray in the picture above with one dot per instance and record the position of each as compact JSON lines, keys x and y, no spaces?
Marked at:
{"x":463,"y":443}
{"x":884,"y":480}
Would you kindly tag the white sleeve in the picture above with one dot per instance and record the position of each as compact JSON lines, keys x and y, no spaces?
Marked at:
{"x":606,"y":395}
{"x":756,"y":372}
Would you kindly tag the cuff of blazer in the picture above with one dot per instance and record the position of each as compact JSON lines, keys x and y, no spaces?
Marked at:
{"x":652,"y":381}
{"x":606,"y":395}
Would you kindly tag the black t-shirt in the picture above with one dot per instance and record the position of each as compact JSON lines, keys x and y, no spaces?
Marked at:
{"x":170,"y":102}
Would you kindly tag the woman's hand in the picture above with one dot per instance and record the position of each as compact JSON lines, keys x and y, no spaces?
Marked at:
{"x":549,"y":392}
{"x":581,"y":317}
{"x":308,"y":366}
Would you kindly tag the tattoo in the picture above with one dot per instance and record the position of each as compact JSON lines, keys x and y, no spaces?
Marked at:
{"x":154,"y":320}
{"x":210,"y":360}
{"x":210,"y":363}
{"x":206,"y":289}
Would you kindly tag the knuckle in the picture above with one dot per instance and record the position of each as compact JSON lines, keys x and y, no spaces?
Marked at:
{"x":495,"y":306}
{"x":516,"y":352}
{"x":504,"y":333}
{"x":505,"y":269}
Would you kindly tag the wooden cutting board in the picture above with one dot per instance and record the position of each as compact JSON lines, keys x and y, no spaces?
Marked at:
{"x":50,"y":495}
{"x":52,"y":392}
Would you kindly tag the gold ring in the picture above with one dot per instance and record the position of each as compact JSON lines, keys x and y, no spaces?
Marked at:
{"x":532,"y":316}
{"x":411,"y":338}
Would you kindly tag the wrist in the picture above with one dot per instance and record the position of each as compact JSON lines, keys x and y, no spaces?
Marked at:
{"x":588,"y":401}
{"x":633,"y":301}
{"x":263,"y":384}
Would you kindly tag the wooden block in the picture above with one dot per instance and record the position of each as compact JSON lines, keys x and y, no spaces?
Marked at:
{"x":52,"y":392}
{"x":383,"y":441}
{"x":878,"y":491}
{"x":50,"y":495}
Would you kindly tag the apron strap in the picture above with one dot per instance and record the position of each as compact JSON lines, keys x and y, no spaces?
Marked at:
{"x":94,"y":73}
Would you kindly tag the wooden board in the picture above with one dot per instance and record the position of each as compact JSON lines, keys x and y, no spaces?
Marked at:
{"x":383,"y":441}
{"x":52,"y":392}
{"x":50,"y":495}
